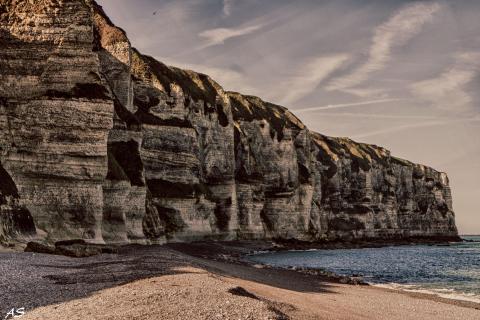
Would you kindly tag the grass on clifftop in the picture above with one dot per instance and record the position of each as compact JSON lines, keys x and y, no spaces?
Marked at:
{"x":250,"y":108}
{"x":198,"y":86}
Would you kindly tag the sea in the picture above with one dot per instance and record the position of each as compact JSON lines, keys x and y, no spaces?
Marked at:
{"x":449,"y":271}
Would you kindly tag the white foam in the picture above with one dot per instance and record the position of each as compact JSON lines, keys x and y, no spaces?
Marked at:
{"x":441,"y":292}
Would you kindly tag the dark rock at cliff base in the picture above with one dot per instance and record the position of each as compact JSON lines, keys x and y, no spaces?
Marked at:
{"x":80,"y":248}
{"x":102,"y":143}
{"x":70,"y":242}
{"x":74,"y":248}
{"x":77,"y":251}
{"x":39,"y":248}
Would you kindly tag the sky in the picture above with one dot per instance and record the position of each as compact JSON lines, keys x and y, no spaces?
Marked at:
{"x":404,"y":75}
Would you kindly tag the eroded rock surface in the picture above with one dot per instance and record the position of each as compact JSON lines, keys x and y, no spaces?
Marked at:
{"x":102,"y":143}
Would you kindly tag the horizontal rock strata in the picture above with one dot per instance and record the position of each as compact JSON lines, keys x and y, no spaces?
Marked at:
{"x":103,"y":143}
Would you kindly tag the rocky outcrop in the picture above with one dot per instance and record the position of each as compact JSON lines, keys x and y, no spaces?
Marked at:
{"x":56,"y":115}
{"x":102,"y":143}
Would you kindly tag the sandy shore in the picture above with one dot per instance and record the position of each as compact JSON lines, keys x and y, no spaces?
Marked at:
{"x":191,"y":282}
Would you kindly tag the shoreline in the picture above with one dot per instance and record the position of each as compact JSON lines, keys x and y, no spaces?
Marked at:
{"x":456,"y":296}
{"x":194,"y":280}
{"x":444,"y":293}
{"x":431,"y":297}
{"x":234,"y":252}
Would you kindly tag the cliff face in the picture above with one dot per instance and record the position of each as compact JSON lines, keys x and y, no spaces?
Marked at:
{"x":100,"y":142}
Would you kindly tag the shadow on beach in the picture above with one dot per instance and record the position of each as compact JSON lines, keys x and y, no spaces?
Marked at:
{"x":31,"y":280}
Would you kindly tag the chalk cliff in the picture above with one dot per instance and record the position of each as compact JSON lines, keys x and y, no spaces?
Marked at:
{"x":103,"y":143}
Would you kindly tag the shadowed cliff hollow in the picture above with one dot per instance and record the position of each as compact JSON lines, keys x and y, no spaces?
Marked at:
{"x":100,"y":142}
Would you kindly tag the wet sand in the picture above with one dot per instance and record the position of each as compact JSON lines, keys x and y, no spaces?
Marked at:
{"x":199,"y":281}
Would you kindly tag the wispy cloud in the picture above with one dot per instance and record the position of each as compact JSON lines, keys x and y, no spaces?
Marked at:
{"x":310,"y":76}
{"x":403,"y":42}
{"x":220,"y":35}
{"x":344,"y":105}
{"x":413,"y":126}
{"x":366,"y":92}
{"x":401,"y":27}
{"x":377,"y":116}
{"x":227,"y":7}
{"x":448,"y":89}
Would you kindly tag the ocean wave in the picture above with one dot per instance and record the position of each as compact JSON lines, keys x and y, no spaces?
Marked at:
{"x":451,"y":272}
{"x":447,"y":293}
